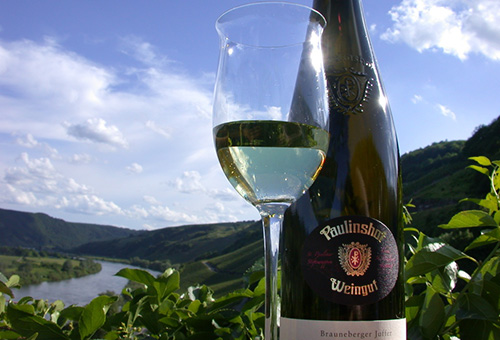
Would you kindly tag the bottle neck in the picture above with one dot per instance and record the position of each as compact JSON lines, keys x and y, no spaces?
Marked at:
{"x":345,"y":39}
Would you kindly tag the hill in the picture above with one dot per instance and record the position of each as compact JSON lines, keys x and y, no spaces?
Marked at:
{"x":40,"y":231}
{"x":178,"y":245}
{"x":215,"y":254}
{"x":435,"y":178}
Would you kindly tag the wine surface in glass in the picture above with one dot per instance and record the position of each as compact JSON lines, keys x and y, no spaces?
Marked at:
{"x":270,"y":161}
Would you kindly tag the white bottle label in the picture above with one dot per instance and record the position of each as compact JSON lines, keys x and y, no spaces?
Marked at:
{"x":297,"y":329}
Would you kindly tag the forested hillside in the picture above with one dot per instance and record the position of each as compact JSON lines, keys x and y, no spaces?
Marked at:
{"x":40,"y":231}
{"x":435,"y":178}
{"x":178,"y":244}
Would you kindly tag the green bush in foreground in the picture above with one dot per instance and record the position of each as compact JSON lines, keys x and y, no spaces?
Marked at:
{"x":443,"y":301}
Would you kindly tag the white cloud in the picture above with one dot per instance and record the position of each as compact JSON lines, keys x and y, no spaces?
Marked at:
{"x":37,"y":183}
{"x":148,"y":227}
{"x":134,"y":168}
{"x":151,"y":200}
{"x":67,"y":76}
{"x":164,"y":213}
{"x":137,"y":211}
{"x":38,"y":172}
{"x":141,"y":50}
{"x":97,"y":130}
{"x":75,"y":99}
{"x":28,"y":141}
{"x":90,"y":204}
{"x":189,"y":182}
{"x":443,"y":110}
{"x":159,"y":130}
{"x":446,"y":112}
{"x":457,"y":27}
{"x":274,"y":113}
{"x":14,"y":195}
{"x":417,"y":99}
{"x":82,"y":158}
{"x":226,"y":194}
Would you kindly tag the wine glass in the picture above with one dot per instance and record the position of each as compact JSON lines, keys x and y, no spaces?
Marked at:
{"x":270,"y":115}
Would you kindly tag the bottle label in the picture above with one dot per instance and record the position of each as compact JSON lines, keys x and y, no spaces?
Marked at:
{"x":351,"y":260}
{"x":291,"y":329}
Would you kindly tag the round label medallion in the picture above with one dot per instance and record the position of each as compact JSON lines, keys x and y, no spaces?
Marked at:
{"x":351,"y":260}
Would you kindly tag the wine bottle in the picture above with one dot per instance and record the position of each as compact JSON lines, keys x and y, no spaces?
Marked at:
{"x":342,"y":254}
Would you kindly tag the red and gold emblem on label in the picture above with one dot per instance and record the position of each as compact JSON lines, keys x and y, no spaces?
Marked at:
{"x":355,"y":258}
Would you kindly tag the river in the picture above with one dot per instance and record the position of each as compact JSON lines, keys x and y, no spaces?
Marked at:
{"x":79,"y":291}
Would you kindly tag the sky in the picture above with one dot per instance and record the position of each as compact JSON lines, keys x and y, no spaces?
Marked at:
{"x":105,"y":106}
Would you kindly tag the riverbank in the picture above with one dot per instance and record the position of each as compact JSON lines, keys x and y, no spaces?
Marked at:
{"x":33,"y":268}
{"x":80,"y":291}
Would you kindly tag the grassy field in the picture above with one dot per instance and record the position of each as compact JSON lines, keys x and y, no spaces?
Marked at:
{"x":10,"y":260}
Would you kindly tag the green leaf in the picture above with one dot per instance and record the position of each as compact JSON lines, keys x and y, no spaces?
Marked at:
{"x":13,"y":281}
{"x":6,"y":290}
{"x":94,"y":315}
{"x":194,"y":306}
{"x":25,"y":308}
{"x":479,"y":329}
{"x":490,"y":202}
{"x":6,"y":284}
{"x":489,"y":273}
{"x":166,"y":306}
{"x":491,"y":268}
{"x":470,"y":219}
{"x":72,"y":313}
{"x":432,"y":315}
{"x":3,"y":278}
{"x":203,"y":336}
{"x":489,"y":237}
{"x":25,"y":300}
{"x":445,"y":278}
{"x":3,"y":302}
{"x":472,"y":306}
{"x":7,"y":335}
{"x":432,"y":256}
{"x":480,"y":169}
{"x":151,"y":319}
{"x":27,"y":324}
{"x":261,"y":288}
{"x":413,"y":306}
{"x":230,"y":299}
{"x":496,"y":180}
{"x":170,"y":322}
{"x":202,"y":293}
{"x":491,"y":292}
{"x":167,"y":283}
{"x":137,"y":275}
{"x":481,"y":160}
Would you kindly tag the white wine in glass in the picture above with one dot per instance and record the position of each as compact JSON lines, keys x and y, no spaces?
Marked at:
{"x":270,"y":161}
{"x":270,"y":115}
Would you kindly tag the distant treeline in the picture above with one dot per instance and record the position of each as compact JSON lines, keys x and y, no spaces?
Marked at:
{"x":35,"y":266}
{"x":157,"y":265}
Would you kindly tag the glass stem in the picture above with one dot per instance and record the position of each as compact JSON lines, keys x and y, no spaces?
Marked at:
{"x":272,"y":221}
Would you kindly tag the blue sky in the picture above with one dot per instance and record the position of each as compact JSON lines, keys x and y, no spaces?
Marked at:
{"x":105,"y":106}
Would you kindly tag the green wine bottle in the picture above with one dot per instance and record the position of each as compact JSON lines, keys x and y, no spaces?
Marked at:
{"x":342,"y":255}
